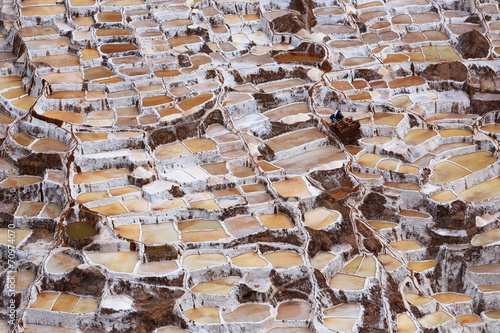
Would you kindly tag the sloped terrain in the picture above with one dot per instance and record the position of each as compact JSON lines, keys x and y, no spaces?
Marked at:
{"x":171,"y":166}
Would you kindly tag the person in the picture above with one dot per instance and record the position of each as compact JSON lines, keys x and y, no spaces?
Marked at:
{"x":338,"y":116}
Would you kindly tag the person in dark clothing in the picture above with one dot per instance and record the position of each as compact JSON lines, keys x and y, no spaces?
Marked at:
{"x":338,"y":116}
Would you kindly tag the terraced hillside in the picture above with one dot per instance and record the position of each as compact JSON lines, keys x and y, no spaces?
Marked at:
{"x":171,"y":166}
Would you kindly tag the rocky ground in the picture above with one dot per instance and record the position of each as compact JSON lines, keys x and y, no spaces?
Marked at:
{"x":171,"y":166}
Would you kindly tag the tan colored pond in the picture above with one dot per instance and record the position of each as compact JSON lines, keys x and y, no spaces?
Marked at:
{"x":109,"y":17}
{"x":280,"y":85}
{"x":406,"y":245}
{"x":29,"y":209}
{"x":347,"y":282}
{"x":420,"y":266}
{"x":405,"y":324}
{"x":276,"y":221}
{"x":112,"y":33}
{"x":199,"y":145}
{"x":443,"y":197}
{"x":249,"y":259}
{"x":49,"y":145}
{"x":204,"y":315}
{"x":362,"y":266}
{"x":123,"y":262}
{"x":474,"y":161}
{"x":286,"y":110}
{"x":99,"y":176}
{"x":358,"y":61}
{"x":284,"y":259}
{"x":377,"y":140}
{"x":302,"y":163}
{"x":59,"y":60}
{"x":82,"y":3}
{"x":446,"y":172}
{"x":217,"y":287}
{"x":388,"y":164}
{"x":23,"y":139}
{"x":406,"y":82}
{"x":66,"y":95}
{"x":43,"y":44}
{"x":209,"y":204}
{"x":89,"y":54}
{"x":321,"y":259}
{"x":481,"y":192}
{"x":469,"y":320}
{"x":131,"y":231}
{"x":24,"y":103}
{"x":156,"y":100}
{"x":320,"y":218}
{"x":242,"y":225}
{"x":43,"y":10}
{"x":491,"y":128}
{"x":489,"y":237}
{"x":341,"y":318}
{"x":446,"y":133}
{"x":215,"y":169}
{"x":485,"y":288}
{"x":183,"y":40}
{"x":434,"y":319}
{"x":118,"y":47}
{"x":37,"y":31}
{"x":63,"y":302}
{"x":417,"y":300}
{"x":449,"y":298}
{"x":156,"y":268}
{"x":266,"y":166}
{"x":197,"y":261}
{"x":382,"y":224}
{"x":370,"y":160}
{"x":90,"y":137}
{"x":232,"y":19}
{"x":159,"y":233}
{"x":418,"y":136}
{"x":171,"y":151}
{"x":345,"y":43}
{"x":51,"y":210}
{"x":492,"y":314}
{"x":14,"y":93}
{"x":83,"y":21}
{"x":248,"y":313}
{"x":20,"y":181}
{"x":405,"y":168}
{"x":390,"y":263}
{"x":293,"y":187}
{"x":387,"y":119}
{"x":66,"y":116}
{"x":293,"y":310}
{"x":201,"y":231}
{"x":45,"y":300}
